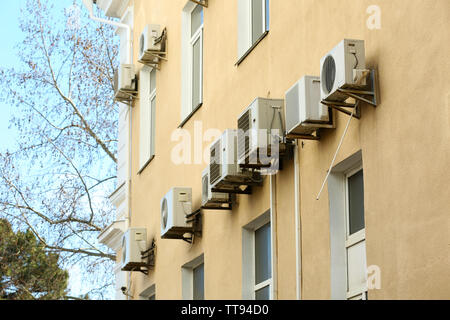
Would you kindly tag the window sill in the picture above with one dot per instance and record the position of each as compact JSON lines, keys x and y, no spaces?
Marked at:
{"x":190,"y":115}
{"x":146,"y":165}
{"x":251,"y":49}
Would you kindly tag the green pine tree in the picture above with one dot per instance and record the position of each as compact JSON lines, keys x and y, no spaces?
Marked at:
{"x":27,"y":270}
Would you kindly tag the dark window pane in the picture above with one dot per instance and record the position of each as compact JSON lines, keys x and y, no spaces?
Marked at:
{"x":356,"y":202}
{"x":258,"y":24}
{"x":263,"y":263}
{"x":199,"y":288}
{"x":196,"y":73}
{"x":153,"y":126}
{"x":263,"y":294}
{"x":196,"y":19}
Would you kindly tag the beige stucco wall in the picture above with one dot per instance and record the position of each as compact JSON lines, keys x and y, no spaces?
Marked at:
{"x":404,"y":142}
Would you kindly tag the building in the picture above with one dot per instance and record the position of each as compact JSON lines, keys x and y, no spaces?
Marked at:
{"x":390,"y":178}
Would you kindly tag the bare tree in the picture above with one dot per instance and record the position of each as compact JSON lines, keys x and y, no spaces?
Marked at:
{"x":57,"y":179}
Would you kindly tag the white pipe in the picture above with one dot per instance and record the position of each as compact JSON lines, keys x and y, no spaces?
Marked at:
{"x":273,"y":235}
{"x":119,"y":25}
{"x":298,"y":225}
{"x":336,"y":153}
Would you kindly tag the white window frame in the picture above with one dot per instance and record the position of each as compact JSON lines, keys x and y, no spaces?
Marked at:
{"x":339,"y":237}
{"x":354,"y":239}
{"x":249,"y":286}
{"x":147,"y":118}
{"x":246,"y":43}
{"x":148,"y":293}
{"x":187,"y":277}
{"x":188,"y":41}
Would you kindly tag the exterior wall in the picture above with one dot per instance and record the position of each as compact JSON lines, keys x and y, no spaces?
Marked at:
{"x":404,"y":142}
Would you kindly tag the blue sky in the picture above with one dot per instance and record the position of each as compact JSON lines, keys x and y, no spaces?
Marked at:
{"x":10,"y":34}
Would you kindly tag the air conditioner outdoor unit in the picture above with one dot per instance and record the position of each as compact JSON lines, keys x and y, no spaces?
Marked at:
{"x":342,"y":68}
{"x":125,"y":84}
{"x":209,"y":198}
{"x":259,"y":127}
{"x":149,"y":44}
{"x":224,"y":170}
{"x":134,"y":242}
{"x":304,"y":112}
{"x":175,"y":206}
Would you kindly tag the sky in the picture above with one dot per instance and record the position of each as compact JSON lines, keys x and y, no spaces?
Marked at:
{"x":10,"y":34}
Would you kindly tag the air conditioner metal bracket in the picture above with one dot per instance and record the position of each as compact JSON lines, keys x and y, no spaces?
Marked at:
{"x":196,"y":230}
{"x":368,"y":95}
{"x":127,"y":96}
{"x":284,"y":150}
{"x":318,"y":125}
{"x":203,"y":3}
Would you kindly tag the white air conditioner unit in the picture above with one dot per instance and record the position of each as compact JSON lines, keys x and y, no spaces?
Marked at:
{"x":134,"y":242}
{"x":342,"y":68}
{"x":150,"y":43}
{"x":225,"y":173}
{"x":175,"y":206}
{"x":304,"y":112}
{"x":209,"y":198}
{"x":125,"y":83}
{"x":259,"y":126}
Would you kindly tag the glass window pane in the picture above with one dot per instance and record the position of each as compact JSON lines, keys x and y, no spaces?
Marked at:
{"x":263,"y":263}
{"x":263,"y":294}
{"x":196,"y":19}
{"x":152,"y":80}
{"x":199,"y":288}
{"x":267,"y":15}
{"x":356,"y":202}
{"x":153,"y":126}
{"x":258,"y":24}
{"x":196,"y":73}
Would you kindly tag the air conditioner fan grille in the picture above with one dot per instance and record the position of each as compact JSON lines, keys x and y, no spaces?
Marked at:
{"x":329,"y":72}
{"x":215,"y":168}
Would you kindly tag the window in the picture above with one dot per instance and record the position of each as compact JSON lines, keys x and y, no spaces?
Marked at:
{"x":198,"y":282}
{"x":257,"y":259}
{"x":148,"y":294}
{"x":253,"y":24}
{"x":263,"y":265}
{"x":192,"y":59}
{"x":347,"y":230}
{"x":193,"y":279}
{"x":355,"y":235}
{"x":147,"y":97}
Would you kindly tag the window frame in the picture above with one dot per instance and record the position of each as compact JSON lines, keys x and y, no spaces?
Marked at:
{"x":149,"y":293}
{"x":355,"y":238}
{"x":187,"y":277}
{"x":198,"y":36}
{"x":187,"y":57}
{"x":152,"y":121}
{"x":249,"y":285}
{"x":252,"y":43}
